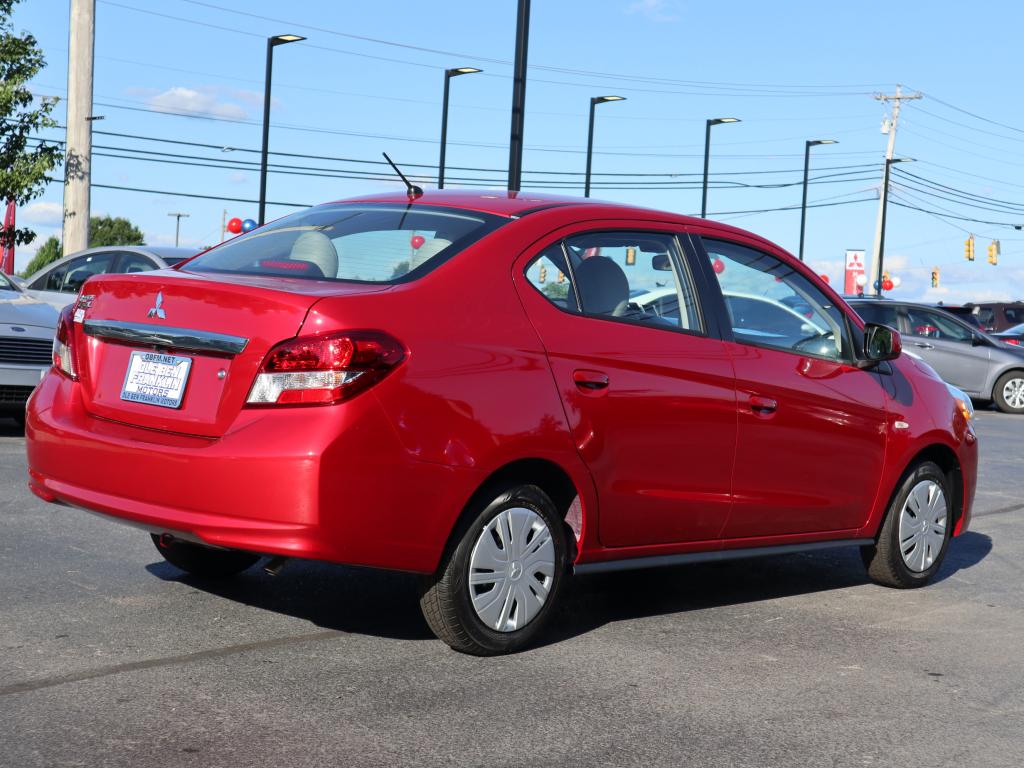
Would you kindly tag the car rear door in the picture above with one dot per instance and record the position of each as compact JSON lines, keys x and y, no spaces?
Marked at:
{"x":812,"y":427}
{"x":649,"y":395}
{"x":947,"y":345}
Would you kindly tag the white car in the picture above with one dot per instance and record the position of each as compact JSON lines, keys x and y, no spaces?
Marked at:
{"x":59,"y":282}
{"x":27,"y":326}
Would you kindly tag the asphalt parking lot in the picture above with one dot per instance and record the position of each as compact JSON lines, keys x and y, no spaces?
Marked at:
{"x":110,"y":657}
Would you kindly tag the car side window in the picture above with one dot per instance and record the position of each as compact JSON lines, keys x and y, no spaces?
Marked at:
{"x":883,"y":314}
{"x":771,"y":304}
{"x":633,"y":277}
{"x":936,"y":325}
{"x":548,"y":273}
{"x":135,"y":262}
{"x":51,"y":281}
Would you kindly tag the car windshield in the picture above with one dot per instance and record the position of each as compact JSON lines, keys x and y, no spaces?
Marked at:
{"x":6,"y":284}
{"x":1015,"y":331}
{"x":380,"y":243}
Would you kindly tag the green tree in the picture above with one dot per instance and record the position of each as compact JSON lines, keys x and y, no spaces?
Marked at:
{"x":107,"y":230}
{"x":23,"y":168}
{"x":48,"y":252}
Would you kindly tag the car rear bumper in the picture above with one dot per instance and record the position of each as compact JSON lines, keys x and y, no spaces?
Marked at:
{"x":330,"y":483}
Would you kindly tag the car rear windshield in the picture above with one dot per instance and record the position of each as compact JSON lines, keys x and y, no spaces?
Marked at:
{"x":381,"y":243}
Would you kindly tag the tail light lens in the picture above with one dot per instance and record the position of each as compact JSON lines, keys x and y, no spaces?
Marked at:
{"x":321,"y":370}
{"x":1015,"y":342}
{"x":63,"y":354}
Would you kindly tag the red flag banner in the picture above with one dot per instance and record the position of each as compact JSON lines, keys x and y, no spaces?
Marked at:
{"x":7,"y":259}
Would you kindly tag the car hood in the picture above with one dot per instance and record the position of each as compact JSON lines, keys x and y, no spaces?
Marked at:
{"x":21,"y":309}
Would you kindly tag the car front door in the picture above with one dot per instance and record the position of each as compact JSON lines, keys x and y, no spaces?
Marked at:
{"x":812,"y":426}
{"x":948,"y":345}
{"x":648,"y":392}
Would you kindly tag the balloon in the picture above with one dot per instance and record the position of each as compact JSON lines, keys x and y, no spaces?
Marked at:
{"x":896,"y":281}
{"x":877,"y":285}
{"x":825,"y":278}
{"x":234,"y":226}
{"x":248,"y":225}
{"x":861,"y":280}
{"x":719,"y":266}
{"x":887,"y":285}
{"x":417,"y":241}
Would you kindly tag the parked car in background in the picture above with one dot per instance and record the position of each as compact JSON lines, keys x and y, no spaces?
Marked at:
{"x":26,"y":341}
{"x":991,"y":316}
{"x":967,"y":313}
{"x":458,"y":384}
{"x":970,"y":359}
{"x":1014,"y":335}
{"x":58,"y":283}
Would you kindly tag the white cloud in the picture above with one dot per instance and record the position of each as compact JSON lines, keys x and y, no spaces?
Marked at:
{"x":42,"y":213}
{"x":201,"y":101}
{"x":656,"y":10}
{"x":239,"y":177}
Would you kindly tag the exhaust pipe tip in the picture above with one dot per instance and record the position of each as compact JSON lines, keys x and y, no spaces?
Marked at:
{"x":274,"y":565}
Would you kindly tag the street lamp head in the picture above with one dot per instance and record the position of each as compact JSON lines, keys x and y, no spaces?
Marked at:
{"x":818,"y":142}
{"x":894,"y":160}
{"x":602,"y":99}
{"x":720,"y":120}
{"x":462,"y":71}
{"x":282,"y":39}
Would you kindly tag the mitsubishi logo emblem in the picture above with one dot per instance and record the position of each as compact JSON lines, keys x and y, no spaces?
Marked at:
{"x":157,"y":309}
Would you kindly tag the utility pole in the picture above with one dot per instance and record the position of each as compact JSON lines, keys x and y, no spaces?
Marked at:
{"x":177,"y":225}
{"x":515,"y":144}
{"x":78,"y":160}
{"x":896,"y":99}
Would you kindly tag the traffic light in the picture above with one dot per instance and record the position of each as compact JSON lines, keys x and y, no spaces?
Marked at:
{"x":969,"y":248}
{"x":561,"y":277}
{"x":935,"y":277}
{"x":993,"y":252}
{"x":543,"y":273}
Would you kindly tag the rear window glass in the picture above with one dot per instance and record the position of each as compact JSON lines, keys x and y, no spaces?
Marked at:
{"x":351,"y":242}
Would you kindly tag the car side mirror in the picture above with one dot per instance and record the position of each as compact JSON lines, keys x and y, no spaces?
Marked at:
{"x":978,"y":341}
{"x":661,"y":263}
{"x":881,"y":343}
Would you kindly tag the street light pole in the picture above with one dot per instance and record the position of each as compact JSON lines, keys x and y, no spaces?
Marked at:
{"x":448,"y":75}
{"x":272,"y":42}
{"x":590,"y":136}
{"x":177,"y":225}
{"x":515,"y":142}
{"x":803,"y":205}
{"x":889,"y":161}
{"x":707,"y":157}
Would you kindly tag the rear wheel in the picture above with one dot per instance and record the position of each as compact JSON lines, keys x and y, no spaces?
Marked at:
{"x":499,"y":580}
{"x":205,"y":562}
{"x":916,"y":531}
{"x":1009,"y":392}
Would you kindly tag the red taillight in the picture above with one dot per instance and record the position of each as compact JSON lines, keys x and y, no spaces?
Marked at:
{"x":1015,"y":342}
{"x":63,"y":348}
{"x":320,"y":370}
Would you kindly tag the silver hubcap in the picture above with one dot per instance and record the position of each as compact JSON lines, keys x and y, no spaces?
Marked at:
{"x":511,"y":569}
{"x":1013,"y":393}
{"x":923,"y":525}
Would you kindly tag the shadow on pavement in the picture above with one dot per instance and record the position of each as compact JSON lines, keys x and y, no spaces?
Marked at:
{"x":386,"y":604}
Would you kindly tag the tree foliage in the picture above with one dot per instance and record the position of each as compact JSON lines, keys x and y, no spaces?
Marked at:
{"x":48,"y":252}
{"x":108,"y":230}
{"x":23,"y":167}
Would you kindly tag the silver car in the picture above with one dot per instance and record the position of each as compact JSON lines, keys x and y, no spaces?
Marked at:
{"x":981,"y":365}
{"x":58,"y":283}
{"x":26,"y":345}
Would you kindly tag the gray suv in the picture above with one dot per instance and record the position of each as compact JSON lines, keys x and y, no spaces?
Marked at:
{"x":982,"y":366}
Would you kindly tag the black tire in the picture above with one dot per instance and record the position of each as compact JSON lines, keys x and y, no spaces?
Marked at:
{"x":884,"y":560}
{"x":997,"y":391}
{"x":204,"y":562}
{"x":445,"y":598}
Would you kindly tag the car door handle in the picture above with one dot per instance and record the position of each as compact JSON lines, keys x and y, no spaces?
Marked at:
{"x":762,"y":405}
{"x":591,"y":382}
{"x":923,"y":345}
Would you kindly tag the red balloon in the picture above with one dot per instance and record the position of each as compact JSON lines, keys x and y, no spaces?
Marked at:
{"x":417,"y":241}
{"x":719,"y":266}
{"x":825,"y":278}
{"x":234,"y":226}
{"x":887,"y":285}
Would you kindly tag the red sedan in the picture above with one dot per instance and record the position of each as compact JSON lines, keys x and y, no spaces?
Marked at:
{"x":496,"y":390}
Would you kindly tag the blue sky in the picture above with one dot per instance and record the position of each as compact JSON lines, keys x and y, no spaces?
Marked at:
{"x":369,"y":79}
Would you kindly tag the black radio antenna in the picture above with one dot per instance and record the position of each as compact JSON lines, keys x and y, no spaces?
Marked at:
{"x":414,"y":191}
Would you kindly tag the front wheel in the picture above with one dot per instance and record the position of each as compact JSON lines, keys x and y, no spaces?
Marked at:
{"x":204,"y":562}
{"x":500,"y":578}
{"x":916,"y":531}
{"x":1009,"y":392}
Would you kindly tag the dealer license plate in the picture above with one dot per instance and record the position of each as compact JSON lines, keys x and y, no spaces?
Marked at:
{"x":156,"y":379}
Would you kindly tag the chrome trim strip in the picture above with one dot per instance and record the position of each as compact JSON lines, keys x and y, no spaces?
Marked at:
{"x":161,"y":336}
{"x":716,"y":555}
